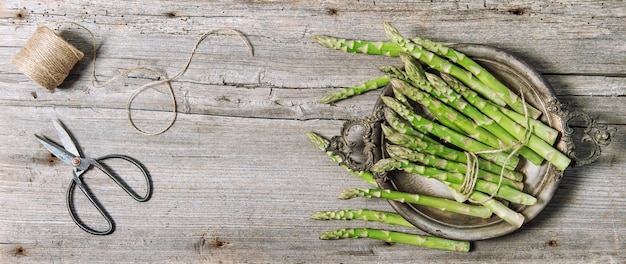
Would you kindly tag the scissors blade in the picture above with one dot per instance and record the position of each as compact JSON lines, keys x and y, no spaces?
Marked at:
{"x":56,"y":150}
{"x":66,"y":139}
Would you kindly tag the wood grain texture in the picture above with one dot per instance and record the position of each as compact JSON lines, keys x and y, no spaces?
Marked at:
{"x":236,"y":178}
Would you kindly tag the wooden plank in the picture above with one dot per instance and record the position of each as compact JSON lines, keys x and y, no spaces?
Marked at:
{"x":531,"y":35}
{"x":584,"y":93}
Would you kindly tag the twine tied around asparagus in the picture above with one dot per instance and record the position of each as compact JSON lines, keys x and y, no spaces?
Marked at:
{"x":48,"y":59}
{"x":471,"y":175}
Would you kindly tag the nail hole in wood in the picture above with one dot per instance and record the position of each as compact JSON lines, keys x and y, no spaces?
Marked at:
{"x":518,"y":11}
{"x":331,"y":11}
{"x":218,"y":243}
{"x":19,"y":251}
{"x":553,"y":243}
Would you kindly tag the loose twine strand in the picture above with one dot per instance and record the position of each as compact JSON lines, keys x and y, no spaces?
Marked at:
{"x":471,"y":175}
{"x":53,"y":64}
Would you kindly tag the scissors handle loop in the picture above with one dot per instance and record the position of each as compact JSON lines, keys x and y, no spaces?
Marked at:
{"x":96,"y":163}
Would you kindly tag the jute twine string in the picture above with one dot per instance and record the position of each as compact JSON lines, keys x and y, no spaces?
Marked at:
{"x":47,"y":59}
{"x":167,"y":81}
{"x":471,"y":176}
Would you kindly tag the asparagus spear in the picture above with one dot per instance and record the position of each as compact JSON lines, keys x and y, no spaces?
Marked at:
{"x":417,"y":75}
{"x":393,"y":71}
{"x":507,"y":214}
{"x":449,"y":154}
{"x":542,"y":130}
{"x":434,"y":202}
{"x":401,"y":98}
{"x":554,"y":156}
{"x":401,"y":126}
{"x":322,"y":143}
{"x":402,"y":153}
{"x":365,"y":215}
{"x":455,"y":100}
{"x":398,"y":237}
{"x":504,"y":191}
{"x":509,"y":97}
{"x":426,"y":126}
{"x":359,"y":46}
{"x":355,"y":90}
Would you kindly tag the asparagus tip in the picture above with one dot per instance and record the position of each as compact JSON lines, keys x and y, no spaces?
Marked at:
{"x":331,"y":235}
{"x":319,"y":216}
{"x":391,"y":31}
{"x":349,"y":194}
{"x":318,"y":140}
{"x":327,"y":98}
{"x":323,"y":40}
{"x":385,"y":165}
{"x":318,"y":38}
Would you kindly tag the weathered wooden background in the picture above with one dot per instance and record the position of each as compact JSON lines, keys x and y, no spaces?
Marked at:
{"x":236,"y":178}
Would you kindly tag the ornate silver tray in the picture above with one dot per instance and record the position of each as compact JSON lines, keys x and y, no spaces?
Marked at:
{"x":361,"y":142}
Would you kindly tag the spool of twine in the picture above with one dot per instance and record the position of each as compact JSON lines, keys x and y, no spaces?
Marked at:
{"x":46,"y":58}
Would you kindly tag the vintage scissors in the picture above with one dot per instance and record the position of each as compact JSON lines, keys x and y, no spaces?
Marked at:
{"x":70,"y":154}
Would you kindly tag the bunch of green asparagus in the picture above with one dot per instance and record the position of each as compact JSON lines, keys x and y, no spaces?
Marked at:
{"x":389,"y":217}
{"x":481,"y":130}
